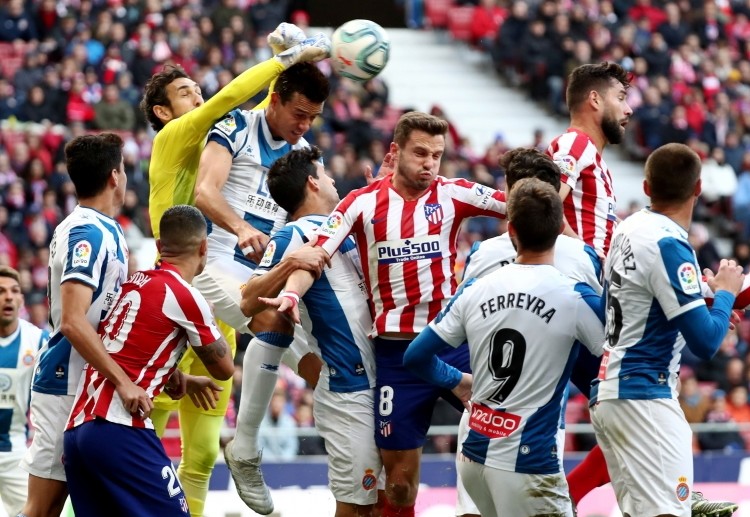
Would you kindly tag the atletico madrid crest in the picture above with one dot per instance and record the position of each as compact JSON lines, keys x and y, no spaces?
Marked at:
{"x":433,"y":212}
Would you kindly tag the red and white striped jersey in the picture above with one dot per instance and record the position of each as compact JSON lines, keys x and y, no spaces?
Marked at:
{"x":146,"y":333}
{"x":590,"y":206}
{"x":408,"y":248}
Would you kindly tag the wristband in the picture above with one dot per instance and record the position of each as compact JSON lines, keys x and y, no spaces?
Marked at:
{"x":292,"y":295}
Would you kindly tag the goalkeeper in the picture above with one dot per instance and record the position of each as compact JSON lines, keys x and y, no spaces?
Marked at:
{"x":174,"y":106}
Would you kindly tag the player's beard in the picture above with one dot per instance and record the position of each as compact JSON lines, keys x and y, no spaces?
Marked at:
{"x":612,"y":130}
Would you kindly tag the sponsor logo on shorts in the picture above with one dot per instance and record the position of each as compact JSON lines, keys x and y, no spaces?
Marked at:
{"x":81,"y":254}
{"x":491,"y":423}
{"x":5,"y":382}
{"x":688,"y":277}
{"x":406,"y":250}
{"x":184,"y":505}
{"x":369,"y":481}
{"x":433,"y":212}
{"x":682,"y":490}
{"x":385,"y":428}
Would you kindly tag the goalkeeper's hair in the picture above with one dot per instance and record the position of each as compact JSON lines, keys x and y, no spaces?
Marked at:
{"x":155,"y":92}
{"x":418,"y":121}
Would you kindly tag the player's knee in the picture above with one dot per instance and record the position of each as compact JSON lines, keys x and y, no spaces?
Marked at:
{"x":401,"y":492}
{"x":271,"y":321}
{"x":199,"y":458}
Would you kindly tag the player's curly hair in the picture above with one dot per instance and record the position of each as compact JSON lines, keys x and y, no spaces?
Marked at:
{"x":523,"y":162}
{"x":535,"y":211}
{"x":672,"y":171}
{"x":305,"y":79}
{"x":418,"y":121}
{"x":590,"y":77}
{"x":90,"y":160}
{"x":155,"y":92}
{"x":288,"y":175}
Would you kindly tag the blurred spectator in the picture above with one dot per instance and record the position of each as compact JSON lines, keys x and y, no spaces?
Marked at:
{"x":16,"y":23}
{"x":714,"y":370}
{"x":694,"y":402}
{"x":112,"y":112}
{"x":486,"y":20}
{"x":705,"y":248}
{"x":720,"y":440}
{"x":278,"y":431}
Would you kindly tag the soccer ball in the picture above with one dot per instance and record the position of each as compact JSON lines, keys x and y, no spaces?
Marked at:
{"x":359,"y":49}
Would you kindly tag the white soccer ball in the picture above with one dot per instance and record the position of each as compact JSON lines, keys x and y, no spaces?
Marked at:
{"x":359,"y":49}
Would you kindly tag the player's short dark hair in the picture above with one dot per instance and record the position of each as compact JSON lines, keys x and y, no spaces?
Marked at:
{"x":90,"y":160}
{"x":155,"y":92}
{"x":9,"y":272}
{"x":288,"y":176}
{"x":672,"y":172}
{"x":181,"y":229}
{"x":535,"y":211}
{"x":588,"y":77}
{"x":305,"y":79}
{"x":523,"y":162}
{"x":418,"y":121}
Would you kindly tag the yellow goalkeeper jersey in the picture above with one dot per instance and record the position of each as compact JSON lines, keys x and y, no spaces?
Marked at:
{"x":178,"y":145}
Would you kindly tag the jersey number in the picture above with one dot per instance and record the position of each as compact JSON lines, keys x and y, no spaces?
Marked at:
{"x":614,"y":312}
{"x":173,"y":487}
{"x":507,"y":353}
{"x":385,"y":404}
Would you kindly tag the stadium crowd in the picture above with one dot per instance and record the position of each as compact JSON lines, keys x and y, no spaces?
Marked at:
{"x":71,"y":67}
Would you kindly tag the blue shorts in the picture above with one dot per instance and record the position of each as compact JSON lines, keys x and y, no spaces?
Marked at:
{"x":403,"y":402}
{"x":116,"y":470}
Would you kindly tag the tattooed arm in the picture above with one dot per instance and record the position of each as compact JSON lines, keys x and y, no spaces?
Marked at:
{"x":217,"y":359}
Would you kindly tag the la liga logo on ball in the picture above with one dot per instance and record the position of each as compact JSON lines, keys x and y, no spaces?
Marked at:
{"x":359,"y":50}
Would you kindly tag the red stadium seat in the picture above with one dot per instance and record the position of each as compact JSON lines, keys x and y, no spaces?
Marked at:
{"x":436,"y":13}
{"x":459,"y":22}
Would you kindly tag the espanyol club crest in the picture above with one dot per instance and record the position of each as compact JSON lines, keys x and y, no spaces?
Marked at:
{"x":433,"y":212}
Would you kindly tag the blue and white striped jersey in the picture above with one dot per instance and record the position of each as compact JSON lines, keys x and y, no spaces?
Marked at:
{"x":573,"y":258}
{"x":521,"y":323}
{"x":245,"y":134}
{"x":651,"y":277}
{"x":337,"y":306}
{"x":17,"y":354}
{"x":87,"y":247}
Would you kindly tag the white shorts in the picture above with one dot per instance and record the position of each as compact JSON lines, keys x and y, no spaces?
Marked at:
{"x":14,"y":482}
{"x":464,"y":504}
{"x":346,"y":423}
{"x":499,"y":492}
{"x":648,"y":448}
{"x":221,"y":283}
{"x":49,"y":414}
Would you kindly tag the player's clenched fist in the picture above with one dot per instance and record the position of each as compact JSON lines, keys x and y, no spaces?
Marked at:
{"x":252,"y":243}
{"x":729,"y":277}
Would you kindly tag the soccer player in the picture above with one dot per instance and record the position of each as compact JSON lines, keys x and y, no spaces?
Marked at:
{"x":405,"y":226}
{"x":19,"y":343}
{"x":521,"y":322}
{"x":174,"y":106}
{"x":574,"y":258}
{"x":231,"y":191}
{"x":655,"y":308}
{"x":88,"y":263}
{"x":338,"y":321}
{"x":146,"y":332}
{"x":599,"y":112}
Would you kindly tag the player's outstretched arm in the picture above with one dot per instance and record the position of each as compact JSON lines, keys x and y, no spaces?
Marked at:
{"x":217,"y":359}
{"x":75,"y":298}
{"x":309,"y":259}
{"x":298,"y":283}
{"x":422,"y":360}
{"x":213,"y":172}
